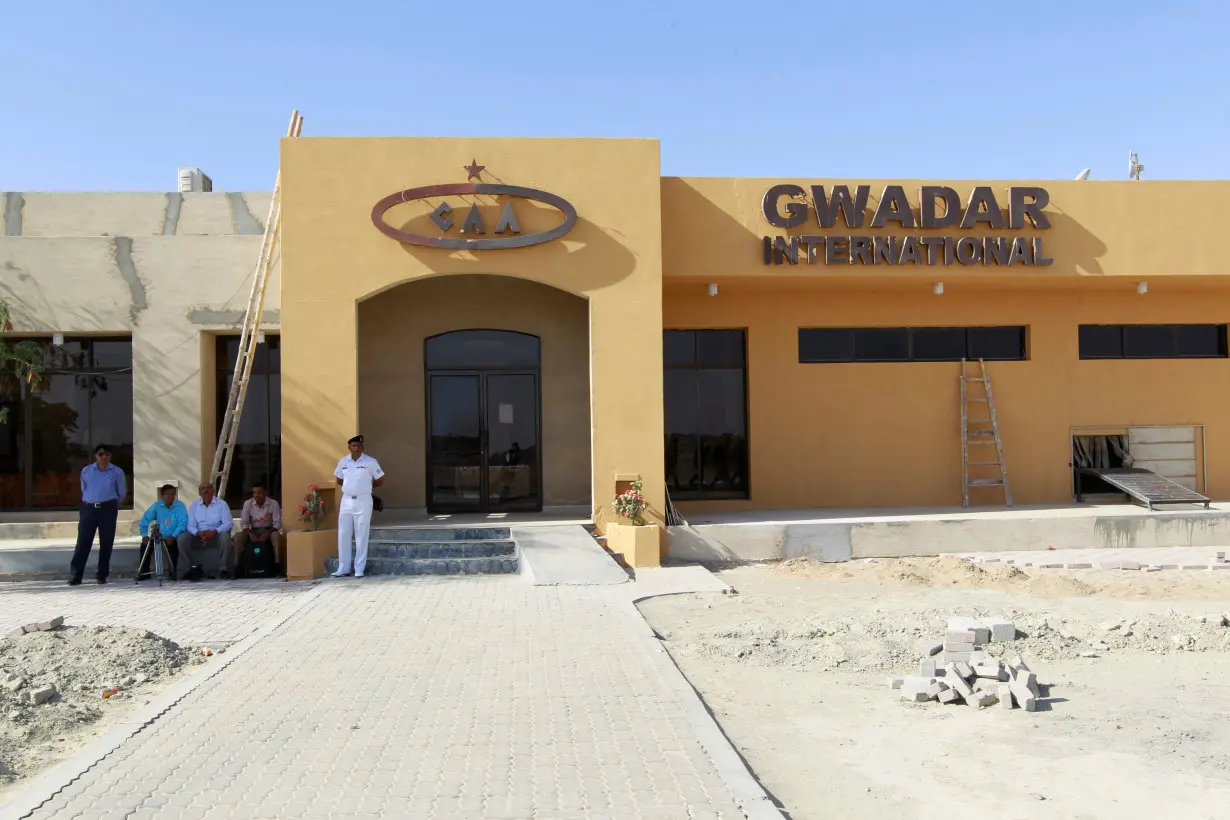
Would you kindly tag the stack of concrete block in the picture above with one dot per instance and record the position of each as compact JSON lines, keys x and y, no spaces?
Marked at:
{"x":965,"y":673}
{"x":42,"y":626}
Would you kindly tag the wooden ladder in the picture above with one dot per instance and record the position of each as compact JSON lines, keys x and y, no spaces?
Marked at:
{"x":980,"y":436}
{"x":250,"y":335}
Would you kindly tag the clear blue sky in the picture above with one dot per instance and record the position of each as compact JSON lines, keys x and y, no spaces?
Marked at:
{"x":116,"y":95}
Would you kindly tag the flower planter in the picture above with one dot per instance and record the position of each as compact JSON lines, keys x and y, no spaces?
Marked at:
{"x":306,"y":552}
{"x":640,"y":546}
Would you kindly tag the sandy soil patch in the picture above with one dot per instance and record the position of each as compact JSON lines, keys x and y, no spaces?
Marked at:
{"x":80,"y":662}
{"x":795,"y":669}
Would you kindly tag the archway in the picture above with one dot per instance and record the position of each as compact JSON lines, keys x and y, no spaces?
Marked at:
{"x":474,"y":394}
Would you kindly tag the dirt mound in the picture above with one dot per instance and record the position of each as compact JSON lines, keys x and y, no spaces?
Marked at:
{"x":886,"y":642}
{"x":79,"y":662}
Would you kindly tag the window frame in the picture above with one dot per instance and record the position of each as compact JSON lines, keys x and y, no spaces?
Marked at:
{"x":696,"y":367}
{"x":1223,"y":350}
{"x":911,"y":356}
{"x":51,"y":367}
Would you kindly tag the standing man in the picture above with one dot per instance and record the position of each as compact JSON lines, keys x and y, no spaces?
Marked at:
{"x":260,"y":522}
{"x":358,"y":474}
{"x":210,"y":523}
{"x":103,"y":489}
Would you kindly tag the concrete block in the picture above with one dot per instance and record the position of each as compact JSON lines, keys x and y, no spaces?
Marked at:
{"x":984,"y":699}
{"x":985,"y":685}
{"x":1193,"y":566}
{"x":1028,"y":703}
{"x":963,"y":623}
{"x":1021,"y":687}
{"x":956,"y":657}
{"x":992,"y":671}
{"x":895,"y":683}
{"x":916,"y":684}
{"x":1005,"y":696}
{"x":1219,"y":566}
{"x":1018,"y":663}
{"x":954,"y":679}
{"x":1133,"y":565}
{"x":30,"y":627}
{"x":958,"y":646}
{"x":13,"y":683}
{"x":929,"y":648}
{"x":54,"y":623}
{"x":948,"y":696}
{"x":1003,"y":631}
{"x":937,"y":688}
{"x":1078,"y":565}
{"x":964,"y":670}
{"x":40,"y":695}
{"x":915,"y":697}
{"x":927,"y":668}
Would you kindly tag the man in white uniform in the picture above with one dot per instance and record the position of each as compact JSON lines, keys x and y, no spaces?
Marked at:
{"x":358,"y":474}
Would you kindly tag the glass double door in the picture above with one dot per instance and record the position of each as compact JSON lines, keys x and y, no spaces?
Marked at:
{"x":483,"y":442}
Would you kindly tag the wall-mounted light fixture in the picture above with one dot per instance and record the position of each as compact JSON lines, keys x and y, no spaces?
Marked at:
{"x":1142,"y":288}
{"x":57,"y":339}
{"x":260,"y":337}
{"x":713,"y":290}
{"x":938,"y":288}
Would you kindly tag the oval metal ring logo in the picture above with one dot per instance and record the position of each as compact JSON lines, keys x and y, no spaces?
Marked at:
{"x":473,"y":223}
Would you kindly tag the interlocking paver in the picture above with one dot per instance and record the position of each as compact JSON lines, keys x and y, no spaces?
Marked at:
{"x":204,"y":612}
{"x":434,"y":698}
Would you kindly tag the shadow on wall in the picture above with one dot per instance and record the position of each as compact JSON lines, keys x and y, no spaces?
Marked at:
{"x":592,"y":253}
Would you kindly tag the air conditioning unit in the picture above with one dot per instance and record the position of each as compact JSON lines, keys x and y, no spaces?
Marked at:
{"x":194,"y":181}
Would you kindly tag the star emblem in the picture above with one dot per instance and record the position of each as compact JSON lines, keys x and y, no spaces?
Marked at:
{"x":474,"y":170}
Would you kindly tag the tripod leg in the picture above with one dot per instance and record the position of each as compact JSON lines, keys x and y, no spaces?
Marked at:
{"x":141,"y":561}
{"x":158,"y":560}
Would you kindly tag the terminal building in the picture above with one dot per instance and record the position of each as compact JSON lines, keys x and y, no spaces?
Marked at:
{"x":526,"y":325}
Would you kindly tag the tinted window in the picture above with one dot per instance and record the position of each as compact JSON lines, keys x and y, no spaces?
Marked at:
{"x":482,"y":349}
{"x":997,"y":343}
{"x":939,"y":344}
{"x":679,"y":348}
{"x":1101,"y":342}
{"x":1152,"y":341}
{"x":705,"y":394}
{"x":826,"y":344}
{"x":719,"y":348}
{"x":258,"y":445}
{"x":881,"y":344}
{"x":1149,"y":342}
{"x":1200,"y":340}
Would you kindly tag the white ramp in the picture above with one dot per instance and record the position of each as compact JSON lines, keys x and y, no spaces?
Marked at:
{"x":565,"y":555}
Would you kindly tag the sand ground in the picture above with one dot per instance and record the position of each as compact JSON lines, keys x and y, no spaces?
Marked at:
{"x":795,"y":668}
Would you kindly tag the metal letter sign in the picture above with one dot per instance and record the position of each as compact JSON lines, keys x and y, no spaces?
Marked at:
{"x":473,"y":224}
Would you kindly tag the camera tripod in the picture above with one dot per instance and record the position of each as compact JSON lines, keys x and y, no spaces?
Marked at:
{"x":162,"y":556}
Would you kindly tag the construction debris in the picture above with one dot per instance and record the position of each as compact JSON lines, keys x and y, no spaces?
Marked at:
{"x":42,"y":626}
{"x":967,"y":674}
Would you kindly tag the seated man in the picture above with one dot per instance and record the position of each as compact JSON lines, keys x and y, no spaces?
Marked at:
{"x":210,"y":522}
{"x":260,"y":523}
{"x":171,"y":517}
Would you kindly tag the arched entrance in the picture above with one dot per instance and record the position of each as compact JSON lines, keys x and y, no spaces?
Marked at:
{"x":483,"y":421}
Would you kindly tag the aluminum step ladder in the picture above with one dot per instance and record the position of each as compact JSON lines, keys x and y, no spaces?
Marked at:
{"x":981,"y":432}
{"x":250,"y":335}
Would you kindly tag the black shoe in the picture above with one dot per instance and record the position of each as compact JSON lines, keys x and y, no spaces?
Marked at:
{"x":102,"y":581}
{"x":74,"y":582}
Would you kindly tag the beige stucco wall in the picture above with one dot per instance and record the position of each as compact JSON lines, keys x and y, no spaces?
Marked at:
{"x":392,"y":328}
{"x":335,"y":258}
{"x":123,"y":263}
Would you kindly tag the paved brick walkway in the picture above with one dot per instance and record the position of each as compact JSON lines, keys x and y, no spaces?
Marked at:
{"x":475,"y":698}
{"x":187,"y":613}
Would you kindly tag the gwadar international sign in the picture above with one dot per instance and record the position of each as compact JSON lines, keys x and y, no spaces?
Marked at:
{"x":789,"y":206}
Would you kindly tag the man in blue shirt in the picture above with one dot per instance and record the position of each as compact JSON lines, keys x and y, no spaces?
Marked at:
{"x":171,"y":517}
{"x":103,"y":489}
{"x":210,"y":523}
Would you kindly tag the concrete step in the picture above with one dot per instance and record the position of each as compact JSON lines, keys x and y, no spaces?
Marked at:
{"x":442,"y":549}
{"x":417,"y":535}
{"x":435,"y":566}
{"x":125,"y":525}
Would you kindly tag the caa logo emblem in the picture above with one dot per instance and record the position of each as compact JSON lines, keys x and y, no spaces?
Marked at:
{"x":473,"y":228}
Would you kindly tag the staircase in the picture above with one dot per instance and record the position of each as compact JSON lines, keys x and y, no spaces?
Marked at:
{"x":439,"y":551}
